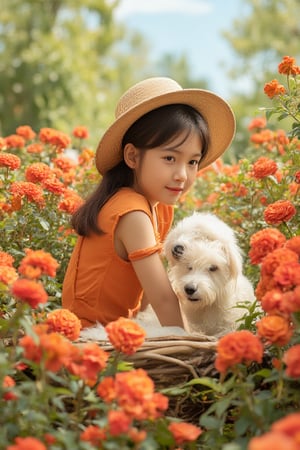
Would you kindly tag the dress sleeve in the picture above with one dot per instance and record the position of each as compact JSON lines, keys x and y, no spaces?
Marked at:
{"x":143,"y":252}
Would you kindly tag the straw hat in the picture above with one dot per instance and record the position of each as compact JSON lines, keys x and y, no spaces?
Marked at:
{"x":153,"y":93}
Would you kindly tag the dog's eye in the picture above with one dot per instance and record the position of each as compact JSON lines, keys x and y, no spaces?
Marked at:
{"x":213,"y":268}
{"x":190,"y":268}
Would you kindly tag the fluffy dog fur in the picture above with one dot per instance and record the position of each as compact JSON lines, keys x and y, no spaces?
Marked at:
{"x":205,"y":270}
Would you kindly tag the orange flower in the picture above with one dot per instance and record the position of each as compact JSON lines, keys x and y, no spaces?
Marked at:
{"x":137,"y":436}
{"x":35,"y":148}
{"x":30,"y":190}
{"x":135,"y":395}
{"x":184,"y":432}
{"x":86,"y":156}
{"x":292,"y":360}
{"x":37,"y":172}
{"x":106,"y":389}
{"x":14,"y":141}
{"x":272,"y":302}
{"x":54,"y":185}
{"x":279,"y":211}
{"x":26,"y":443}
{"x":64,"y":163}
{"x":118,"y":422}
{"x":262,"y":137}
{"x":29,"y":291}
{"x":294,"y":244}
{"x":238,"y":347}
{"x":275,"y":258}
{"x":272,"y":440}
{"x":10,"y":161}
{"x":289,"y":426}
{"x":26,"y":132}
{"x":81,"y":132}
{"x":274,"y":88}
{"x":8,"y":383}
{"x":125,"y":335}
{"x":264,"y":167}
{"x":287,"y":275}
{"x":256,"y":123}
{"x":64,"y":322}
{"x":55,"y":138}
{"x":37,"y":263}
{"x":8,"y":275}
{"x":275,"y":329}
{"x":6,"y":259}
{"x":264,"y":242}
{"x":288,"y":66}
{"x":70,"y":202}
{"x":94,"y":435}
{"x":87,"y":362}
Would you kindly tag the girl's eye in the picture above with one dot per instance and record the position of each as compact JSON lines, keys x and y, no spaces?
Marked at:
{"x":194,"y":162}
{"x":169,"y":158}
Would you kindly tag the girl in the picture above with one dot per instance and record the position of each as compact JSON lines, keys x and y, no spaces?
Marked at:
{"x":148,"y":158}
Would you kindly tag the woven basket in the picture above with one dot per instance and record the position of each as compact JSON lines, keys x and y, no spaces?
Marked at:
{"x":172,"y":361}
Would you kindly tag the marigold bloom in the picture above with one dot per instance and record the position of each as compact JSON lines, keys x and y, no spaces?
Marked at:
{"x":287,"y":275}
{"x":9,"y":383}
{"x":264,"y":167}
{"x":64,"y":322}
{"x":81,"y":132}
{"x":257,"y":122}
{"x":274,"y":88}
{"x":125,"y":335}
{"x":106,"y":389}
{"x":26,"y":443}
{"x":55,"y":138}
{"x":35,"y":148}
{"x":264,"y":242}
{"x":262,"y":137}
{"x":87,"y":362}
{"x":136,"y":435}
{"x":37,"y":263}
{"x":292,"y":360}
{"x":289,"y":425}
{"x":8,"y":275}
{"x":10,"y":161}
{"x":52,"y":184}
{"x":275,"y":329}
{"x":64,"y":163}
{"x":14,"y":141}
{"x":272,"y":440}
{"x":26,"y":132}
{"x":31,"y":191}
{"x":86,"y":156}
{"x":272,"y":302}
{"x":70,"y":202}
{"x":37,"y":172}
{"x":6,"y":259}
{"x":288,"y":66}
{"x":294,"y":244}
{"x":118,"y":422}
{"x":94,"y":435}
{"x":238,"y":347}
{"x":29,"y":291}
{"x":279,"y":211}
{"x":277,"y":257}
{"x":184,"y":432}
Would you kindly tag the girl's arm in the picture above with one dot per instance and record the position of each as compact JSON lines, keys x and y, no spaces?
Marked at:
{"x":135,"y":231}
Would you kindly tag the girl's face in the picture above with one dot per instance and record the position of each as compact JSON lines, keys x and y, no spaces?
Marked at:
{"x":164,"y":173}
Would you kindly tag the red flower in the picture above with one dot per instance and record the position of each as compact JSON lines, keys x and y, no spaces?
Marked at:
{"x":70,"y":202}
{"x":8,"y":383}
{"x":272,"y":440}
{"x":64,"y":322}
{"x":264,"y":167}
{"x":26,"y":132}
{"x":94,"y":435}
{"x":31,"y":191}
{"x":118,"y":422}
{"x":292,"y":360}
{"x":273,"y":88}
{"x":256,"y":123}
{"x":87,"y":362}
{"x":184,"y":432}
{"x":27,"y":443}
{"x":288,"y":66}
{"x":37,"y":172}
{"x":81,"y":132}
{"x":264,"y":242}
{"x":37,"y":263}
{"x":14,"y":141}
{"x":275,"y":329}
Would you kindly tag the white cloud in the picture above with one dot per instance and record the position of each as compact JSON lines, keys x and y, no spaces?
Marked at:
{"x":130,"y":7}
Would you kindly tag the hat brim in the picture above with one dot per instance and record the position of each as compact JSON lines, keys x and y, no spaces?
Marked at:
{"x":216,"y":112}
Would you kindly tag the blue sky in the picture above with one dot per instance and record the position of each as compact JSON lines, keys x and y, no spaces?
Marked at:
{"x":192,"y":27}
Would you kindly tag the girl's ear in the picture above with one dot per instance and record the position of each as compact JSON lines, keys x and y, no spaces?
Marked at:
{"x":131,"y":155}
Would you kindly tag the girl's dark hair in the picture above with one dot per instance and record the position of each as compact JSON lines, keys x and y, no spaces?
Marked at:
{"x":154,"y":129}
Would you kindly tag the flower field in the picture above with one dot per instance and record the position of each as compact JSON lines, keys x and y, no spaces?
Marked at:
{"x":58,"y":394}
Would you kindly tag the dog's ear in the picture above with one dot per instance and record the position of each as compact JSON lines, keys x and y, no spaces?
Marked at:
{"x":177,"y":251}
{"x":234,"y":258}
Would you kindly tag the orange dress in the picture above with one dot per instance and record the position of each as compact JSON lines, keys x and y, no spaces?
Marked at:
{"x":99,"y":286}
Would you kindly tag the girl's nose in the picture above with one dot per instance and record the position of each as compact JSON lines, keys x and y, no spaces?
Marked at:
{"x":180,"y":173}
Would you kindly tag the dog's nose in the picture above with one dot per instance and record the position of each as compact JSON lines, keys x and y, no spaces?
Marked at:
{"x":177,"y":251}
{"x":190,"y":289}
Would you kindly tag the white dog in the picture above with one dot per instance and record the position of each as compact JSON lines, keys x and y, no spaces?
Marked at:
{"x":205,"y":270}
